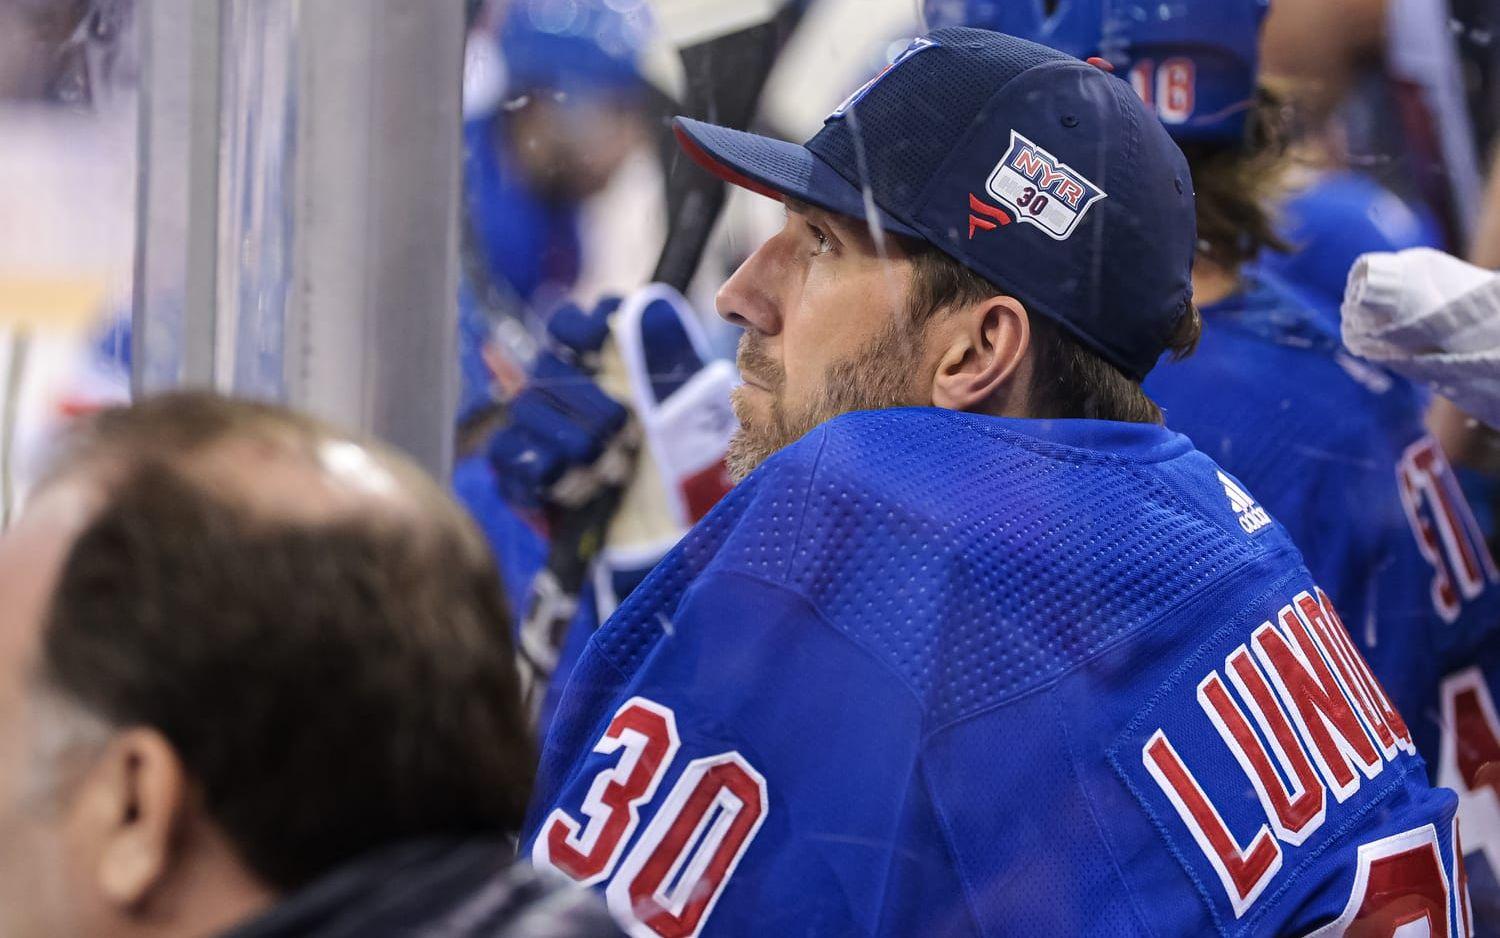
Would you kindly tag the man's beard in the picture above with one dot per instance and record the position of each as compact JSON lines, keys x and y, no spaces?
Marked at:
{"x":880,"y":375}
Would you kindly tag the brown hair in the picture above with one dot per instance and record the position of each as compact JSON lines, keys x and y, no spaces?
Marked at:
{"x":332,"y":684}
{"x":1236,"y":186}
{"x":1069,"y":378}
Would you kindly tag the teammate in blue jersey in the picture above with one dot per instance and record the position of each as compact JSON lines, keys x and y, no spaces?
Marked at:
{"x":1329,"y":222}
{"x":981,"y":648}
{"x":574,"y":101}
{"x":1334,"y":448}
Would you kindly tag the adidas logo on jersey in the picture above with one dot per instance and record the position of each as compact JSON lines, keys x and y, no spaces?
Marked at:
{"x":1252,"y":516}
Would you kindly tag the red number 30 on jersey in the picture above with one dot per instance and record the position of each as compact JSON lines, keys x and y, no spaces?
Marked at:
{"x":676,"y":870}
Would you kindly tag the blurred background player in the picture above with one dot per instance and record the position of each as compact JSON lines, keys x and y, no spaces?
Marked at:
{"x":591,"y":440}
{"x":257,"y":680}
{"x":1343,"y":167}
{"x":1333,"y":447}
{"x":1403,"y":92}
{"x":558,"y":107}
{"x":1383,"y":89}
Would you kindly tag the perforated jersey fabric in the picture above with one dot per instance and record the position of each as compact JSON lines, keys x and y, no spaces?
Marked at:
{"x":944,"y":641}
{"x":1323,"y":439}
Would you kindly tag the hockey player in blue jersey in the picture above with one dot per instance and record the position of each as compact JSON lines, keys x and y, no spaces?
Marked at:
{"x":1335,"y":216}
{"x":1334,"y":448}
{"x":980,"y":648}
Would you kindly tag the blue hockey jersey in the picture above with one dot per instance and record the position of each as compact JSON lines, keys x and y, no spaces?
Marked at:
{"x":1336,"y":451}
{"x":1330,"y":223}
{"x":933,"y":673}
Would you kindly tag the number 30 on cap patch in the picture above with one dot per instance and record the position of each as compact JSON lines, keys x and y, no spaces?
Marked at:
{"x":1043,"y":192}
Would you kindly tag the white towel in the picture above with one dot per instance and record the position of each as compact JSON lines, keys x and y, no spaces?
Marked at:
{"x":1434,"y":319}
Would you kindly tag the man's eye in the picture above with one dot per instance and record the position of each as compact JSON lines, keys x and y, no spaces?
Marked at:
{"x":825,"y":243}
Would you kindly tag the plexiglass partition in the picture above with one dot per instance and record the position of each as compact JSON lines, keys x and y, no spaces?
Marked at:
{"x":298,"y":196}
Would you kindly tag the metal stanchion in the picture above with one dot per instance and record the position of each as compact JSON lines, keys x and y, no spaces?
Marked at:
{"x":298,"y":208}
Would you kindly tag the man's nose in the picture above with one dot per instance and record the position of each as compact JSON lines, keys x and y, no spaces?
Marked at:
{"x":749,"y":298}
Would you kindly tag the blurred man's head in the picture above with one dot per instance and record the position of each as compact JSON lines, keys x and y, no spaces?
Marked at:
{"x":238,"y":649}
{"x":575,"y":95}
{"x":571,"y":146}
{"x":1023,"y":250}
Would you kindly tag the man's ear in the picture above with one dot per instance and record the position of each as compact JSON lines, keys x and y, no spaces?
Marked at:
{"x":135,"y":800}
{"x":984,"y":351}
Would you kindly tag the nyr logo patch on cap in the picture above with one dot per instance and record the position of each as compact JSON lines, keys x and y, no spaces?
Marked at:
{"x":1042,"y":191}
{"x":920,"y":44}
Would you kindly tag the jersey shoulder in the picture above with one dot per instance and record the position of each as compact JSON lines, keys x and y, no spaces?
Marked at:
{"x":933,"y":539}
{"x":1334,"y":220}
{"x":1268,"y":372}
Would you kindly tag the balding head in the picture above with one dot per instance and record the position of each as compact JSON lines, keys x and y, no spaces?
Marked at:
{"x":293,"y":632}
{"x":269,"y":461}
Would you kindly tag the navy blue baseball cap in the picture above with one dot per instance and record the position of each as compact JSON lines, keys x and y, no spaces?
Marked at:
{"x":1040,"y":173}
